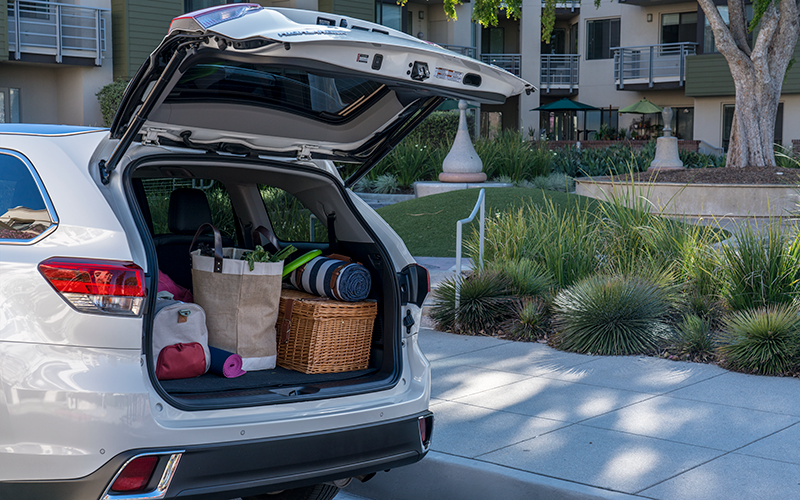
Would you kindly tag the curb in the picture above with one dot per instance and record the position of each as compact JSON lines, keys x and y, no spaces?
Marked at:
{"x":440,"y":477}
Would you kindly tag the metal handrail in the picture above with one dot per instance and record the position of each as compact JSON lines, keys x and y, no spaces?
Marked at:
{"x":566,"y":4}
{"x":646,"y":63}
{"x":481,"y":203}
{"x":464,"y":50}
{"x":43,"y":27}
{"x":509,"y":62}
{"x":559,"y":71}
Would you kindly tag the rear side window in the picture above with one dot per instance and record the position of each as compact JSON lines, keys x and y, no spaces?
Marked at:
{"x":291,"y":220}
{"x":158,"y":192}
{"x":25,"y":213}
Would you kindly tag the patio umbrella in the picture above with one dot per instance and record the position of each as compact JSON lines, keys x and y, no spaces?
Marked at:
{"x":643,"y":107}
{"x":566,"y":105}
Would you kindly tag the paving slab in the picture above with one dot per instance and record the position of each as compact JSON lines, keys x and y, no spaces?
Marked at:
{"x":697,"y":423}
{"x":732,"y":477}
{"x":783,"y":446}
{"x":775,"y":394}
{"x":528,"y":358}
{"x":637,"y":373}
{"x":453,"y":382}
{"x":612,"y":460}
{"x":469,"y":431}
{"x":437,"y":345}
{"x":554,"y":399}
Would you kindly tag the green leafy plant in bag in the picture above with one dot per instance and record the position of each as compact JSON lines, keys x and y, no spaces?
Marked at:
{"x":262,"y":255}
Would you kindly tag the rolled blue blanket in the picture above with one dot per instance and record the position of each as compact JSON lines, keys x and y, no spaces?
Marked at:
{"x":225,"y":363}
{"x":333,"y":278}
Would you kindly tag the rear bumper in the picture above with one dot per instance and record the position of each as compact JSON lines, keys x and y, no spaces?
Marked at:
{"x":229,"y":470}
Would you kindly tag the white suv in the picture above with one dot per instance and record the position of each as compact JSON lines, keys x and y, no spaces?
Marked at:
{"x":235,"y":119}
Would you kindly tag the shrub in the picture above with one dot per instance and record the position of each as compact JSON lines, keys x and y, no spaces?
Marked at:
{"x":763,"y":341}
{"x":385,"y":184}
{"x":612,"y":315}
{"x":554,"y":182}
{"x":761,"y":268}
{"x":485,"y":302}
{"x":527,"y":278}
{"x":440,"y":127}
{"x":693,"y":338}
{"x":531,"y":319}
{"x":109,"y":98}
{"x":509,"y":154}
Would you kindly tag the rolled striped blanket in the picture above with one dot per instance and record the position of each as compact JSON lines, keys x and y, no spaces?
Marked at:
{"x":333,"y":278}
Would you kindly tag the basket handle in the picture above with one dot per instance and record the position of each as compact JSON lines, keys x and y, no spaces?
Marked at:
{"x":217,"y":244}
{"x":269,"y":235}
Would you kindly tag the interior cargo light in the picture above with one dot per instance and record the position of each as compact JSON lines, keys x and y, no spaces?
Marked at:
{"x":95,"y":285}
{"x":136,"y":474}
{"x":206,"y":18}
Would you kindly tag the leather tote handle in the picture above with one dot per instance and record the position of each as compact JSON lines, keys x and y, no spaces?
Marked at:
{"x":267,"y":234}
{"x":217,"y":245}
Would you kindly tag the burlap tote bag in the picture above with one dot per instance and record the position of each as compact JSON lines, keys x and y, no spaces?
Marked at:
{"x":241,"y":305}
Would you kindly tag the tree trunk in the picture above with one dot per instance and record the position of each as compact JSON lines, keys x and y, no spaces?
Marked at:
{"x":758,"y":75}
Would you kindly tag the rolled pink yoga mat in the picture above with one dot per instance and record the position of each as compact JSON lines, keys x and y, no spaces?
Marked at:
{"x":225,"y":363}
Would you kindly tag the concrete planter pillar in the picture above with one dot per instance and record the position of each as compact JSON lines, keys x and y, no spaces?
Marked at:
{"x":462,"y":163}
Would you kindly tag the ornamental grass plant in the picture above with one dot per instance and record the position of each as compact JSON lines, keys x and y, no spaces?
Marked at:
{"x":612,"y":315}
{"x":761,"y":267}
{"x":486,"y":301}
{"x":764,"y":340}
{"x":693,"y":339}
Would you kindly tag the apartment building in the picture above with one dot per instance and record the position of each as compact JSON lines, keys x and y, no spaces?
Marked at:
{"x":53,"y":58}
{"x":615,"y":55}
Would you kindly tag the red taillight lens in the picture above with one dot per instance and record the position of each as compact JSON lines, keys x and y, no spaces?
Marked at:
{"x":136,"y":474}
{"x":98,"y":286}
{"x":425,"y":430}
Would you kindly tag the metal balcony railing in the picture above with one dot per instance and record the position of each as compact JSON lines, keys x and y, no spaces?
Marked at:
{"x":559,"y":71}
{"x":51,"y":28}
{"x":571,"y":5}
{"x":464,"y":50}
{"x":652,"y":64}
{"x":508,"y":62}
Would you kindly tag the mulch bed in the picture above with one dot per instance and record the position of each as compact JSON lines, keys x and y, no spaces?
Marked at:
{"x":724,"y":175}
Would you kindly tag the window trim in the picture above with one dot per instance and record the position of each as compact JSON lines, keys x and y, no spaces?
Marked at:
{"x":51,"y":211}
{"x":610,"y":45}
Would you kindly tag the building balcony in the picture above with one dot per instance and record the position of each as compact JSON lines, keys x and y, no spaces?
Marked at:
{"x":41,"y":31}
{"x":462,"y":49}
{"x":570,"y":5}
{"x":559,"y":73}
{"x":652,"y":67}
{"x":508,"y":62}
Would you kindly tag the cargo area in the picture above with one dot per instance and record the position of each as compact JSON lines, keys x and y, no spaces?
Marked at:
{"x":305,"y":207}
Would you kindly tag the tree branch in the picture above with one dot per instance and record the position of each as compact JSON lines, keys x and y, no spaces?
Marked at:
{"x":723,"y":37}
{"x":738,"y":24}
{"x":782,"y":51}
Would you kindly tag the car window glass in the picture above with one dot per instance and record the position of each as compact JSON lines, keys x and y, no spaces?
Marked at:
{"x":23,"y":211}
{"x":291,"y":220}
{"x":158,"y":193}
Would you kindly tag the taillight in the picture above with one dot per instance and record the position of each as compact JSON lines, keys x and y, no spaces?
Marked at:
{"x":136,"y":474}
{"x":206,"y":18}
{"x":97,"y":286}
{"x":425,"y":430}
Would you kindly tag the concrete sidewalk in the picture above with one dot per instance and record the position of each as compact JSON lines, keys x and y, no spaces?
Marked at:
{"x":521,"y":421}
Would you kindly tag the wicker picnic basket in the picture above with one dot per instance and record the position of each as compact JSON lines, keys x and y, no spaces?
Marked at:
{"x":320,"y":335}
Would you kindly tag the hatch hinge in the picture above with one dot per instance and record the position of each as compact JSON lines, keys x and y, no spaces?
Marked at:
{"x":304,"y":153}
{"x":150,"y":137}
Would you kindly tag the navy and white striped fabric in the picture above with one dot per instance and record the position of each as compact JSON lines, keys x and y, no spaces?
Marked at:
{"x":333,"y":278}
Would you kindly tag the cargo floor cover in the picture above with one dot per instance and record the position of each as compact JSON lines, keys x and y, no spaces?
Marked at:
{"x":263,"y":379}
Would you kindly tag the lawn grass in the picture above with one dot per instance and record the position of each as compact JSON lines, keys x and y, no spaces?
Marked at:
{"x":428,"y":224}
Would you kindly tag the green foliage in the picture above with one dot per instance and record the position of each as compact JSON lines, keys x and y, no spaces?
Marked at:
{"x":527,"y":278}
{"x":693,"y":339}
{"x":531,"y":319}
{"x":385,"y":184}
{"x":612,"y":315}
{"x":485,"y":302}
{"x":290,"y":218}
{"x":761,"y":268}
{"x":562,"y":240}
{"x":785,"y":157}
{"x":261,"y":255}
{"x":109,"y":98}
{"x":763,"y":341}
{"x":510,"y":154}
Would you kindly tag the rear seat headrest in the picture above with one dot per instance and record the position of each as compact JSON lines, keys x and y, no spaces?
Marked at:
{"x":188,"y":210}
